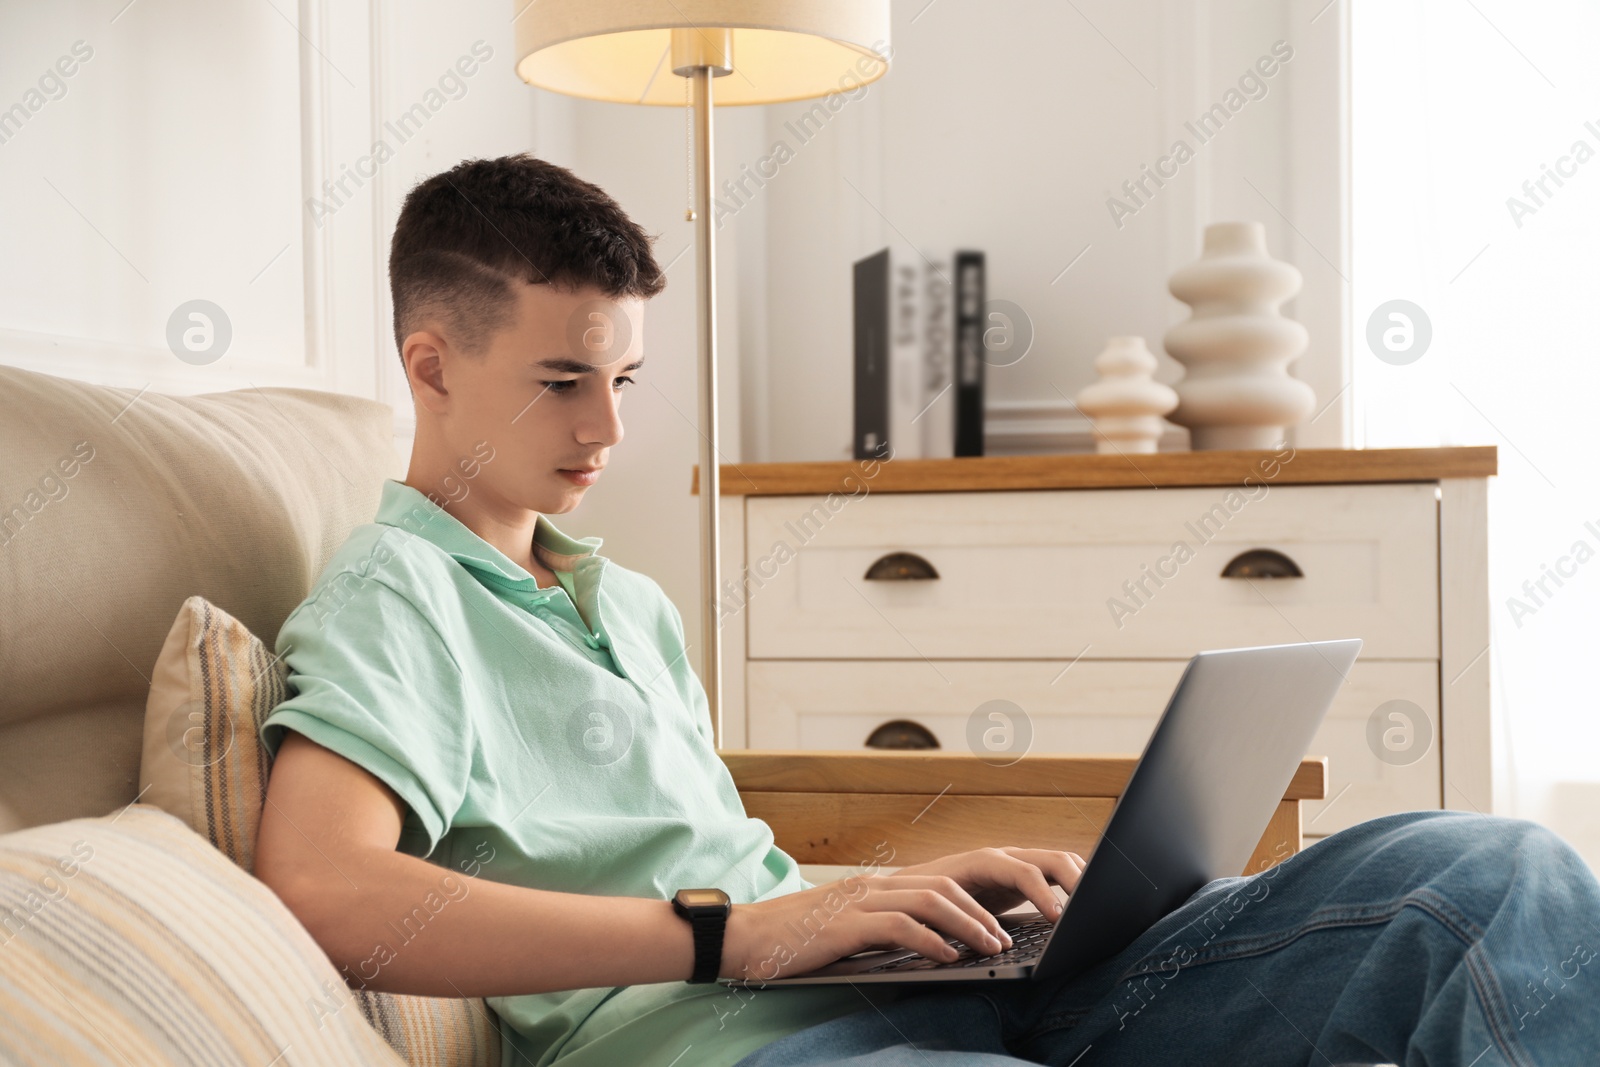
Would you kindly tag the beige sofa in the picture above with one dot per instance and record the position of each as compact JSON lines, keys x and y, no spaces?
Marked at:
{"x":115,"y":506}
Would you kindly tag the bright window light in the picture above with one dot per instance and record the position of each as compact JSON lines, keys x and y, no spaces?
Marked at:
{"x":1475,"y":131}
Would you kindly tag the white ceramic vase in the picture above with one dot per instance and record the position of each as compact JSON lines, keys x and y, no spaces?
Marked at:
{"x":1236,"y":346}
{"x":1125,"y":404}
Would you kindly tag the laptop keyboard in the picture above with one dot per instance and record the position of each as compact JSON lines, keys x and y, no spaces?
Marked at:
{"x":1027,"y":942}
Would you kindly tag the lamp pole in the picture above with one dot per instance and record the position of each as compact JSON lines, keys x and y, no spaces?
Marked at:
{"x":702,"y":55}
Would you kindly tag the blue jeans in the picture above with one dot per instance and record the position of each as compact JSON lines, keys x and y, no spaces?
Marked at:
{"x":1422,"y":938}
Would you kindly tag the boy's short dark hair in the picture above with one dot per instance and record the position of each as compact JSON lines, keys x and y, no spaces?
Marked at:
{"x":464,"y":235}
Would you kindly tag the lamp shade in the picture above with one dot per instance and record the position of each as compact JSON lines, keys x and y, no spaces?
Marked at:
{"x":621,"y":50}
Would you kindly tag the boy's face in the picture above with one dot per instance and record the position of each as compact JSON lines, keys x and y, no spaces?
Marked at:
{"x":543,"y":398}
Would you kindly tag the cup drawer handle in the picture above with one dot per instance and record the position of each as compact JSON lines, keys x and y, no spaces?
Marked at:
{"x":1262,"y":563}
{"x":902,"y":733}
{"x":900,"y":567}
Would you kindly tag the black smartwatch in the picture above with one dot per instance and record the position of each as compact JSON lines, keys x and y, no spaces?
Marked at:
{"x":706,"y":911}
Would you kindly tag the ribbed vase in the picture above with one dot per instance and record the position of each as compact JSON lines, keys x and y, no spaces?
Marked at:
{"x":1125,"y":403}
{"x":1236,"y":346}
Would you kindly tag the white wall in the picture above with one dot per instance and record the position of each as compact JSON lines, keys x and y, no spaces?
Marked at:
{"x":188,"y":158}
{"x":1006,"y":128}
{"x":167,"y":170}
{"x":180,"y":160}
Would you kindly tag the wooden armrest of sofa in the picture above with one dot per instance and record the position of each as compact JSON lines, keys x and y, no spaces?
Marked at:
{"x":838,"y":807}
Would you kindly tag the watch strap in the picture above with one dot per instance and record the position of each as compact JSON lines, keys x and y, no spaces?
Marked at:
{"x":708,"y":934}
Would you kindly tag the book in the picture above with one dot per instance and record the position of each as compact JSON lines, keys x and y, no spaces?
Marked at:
{"x":969,"y":341}
{"x":870,"y":298}
{"x":936,"y":317}
{"x":919,"y":354}
{"x":886,"y":289}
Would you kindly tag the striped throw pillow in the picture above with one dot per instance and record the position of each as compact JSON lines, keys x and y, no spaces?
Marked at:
{"x":127,"y":939}
{"x":203,"y":762}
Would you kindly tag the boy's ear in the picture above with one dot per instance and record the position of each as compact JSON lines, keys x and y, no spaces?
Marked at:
{"x":424,"y":359}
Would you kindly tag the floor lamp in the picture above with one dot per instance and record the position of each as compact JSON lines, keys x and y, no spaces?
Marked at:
{"x":764,"y":52}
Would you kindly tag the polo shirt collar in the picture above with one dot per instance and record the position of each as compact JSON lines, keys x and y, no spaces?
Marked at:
{"x":576,"y":560}
{"x":409,"y":509}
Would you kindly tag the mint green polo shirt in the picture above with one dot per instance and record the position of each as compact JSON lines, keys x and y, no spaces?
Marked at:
{"x":554,"y":738}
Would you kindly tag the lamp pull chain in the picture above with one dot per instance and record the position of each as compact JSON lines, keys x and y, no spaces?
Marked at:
{"x":688,"y":152}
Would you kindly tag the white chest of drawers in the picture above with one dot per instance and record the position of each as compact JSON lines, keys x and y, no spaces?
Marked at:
{"x":893,"y":600}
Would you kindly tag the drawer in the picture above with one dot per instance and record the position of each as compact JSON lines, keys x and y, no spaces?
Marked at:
{"x":1095,"y":707}
{"x":1122,"y":573}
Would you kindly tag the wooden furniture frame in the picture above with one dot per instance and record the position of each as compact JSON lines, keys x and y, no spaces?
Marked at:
{"x":842,"y":807}
{"x":1311,"y":466}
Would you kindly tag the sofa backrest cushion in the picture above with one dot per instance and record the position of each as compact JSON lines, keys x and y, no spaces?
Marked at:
{"x":116,"y":505}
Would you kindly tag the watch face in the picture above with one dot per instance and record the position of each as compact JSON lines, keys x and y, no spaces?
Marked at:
{"x":702,"y":898}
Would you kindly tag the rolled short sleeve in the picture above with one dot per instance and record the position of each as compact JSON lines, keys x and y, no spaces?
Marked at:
{"x":371,"y":679}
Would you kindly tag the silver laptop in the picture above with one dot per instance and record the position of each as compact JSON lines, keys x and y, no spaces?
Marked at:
{"x":1210,"y":778}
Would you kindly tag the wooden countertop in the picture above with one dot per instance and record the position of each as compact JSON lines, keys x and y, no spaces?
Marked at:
{"x":1307,"y":466}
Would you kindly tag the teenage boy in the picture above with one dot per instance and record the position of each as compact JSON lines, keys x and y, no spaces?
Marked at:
{"x":495,"y":776}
